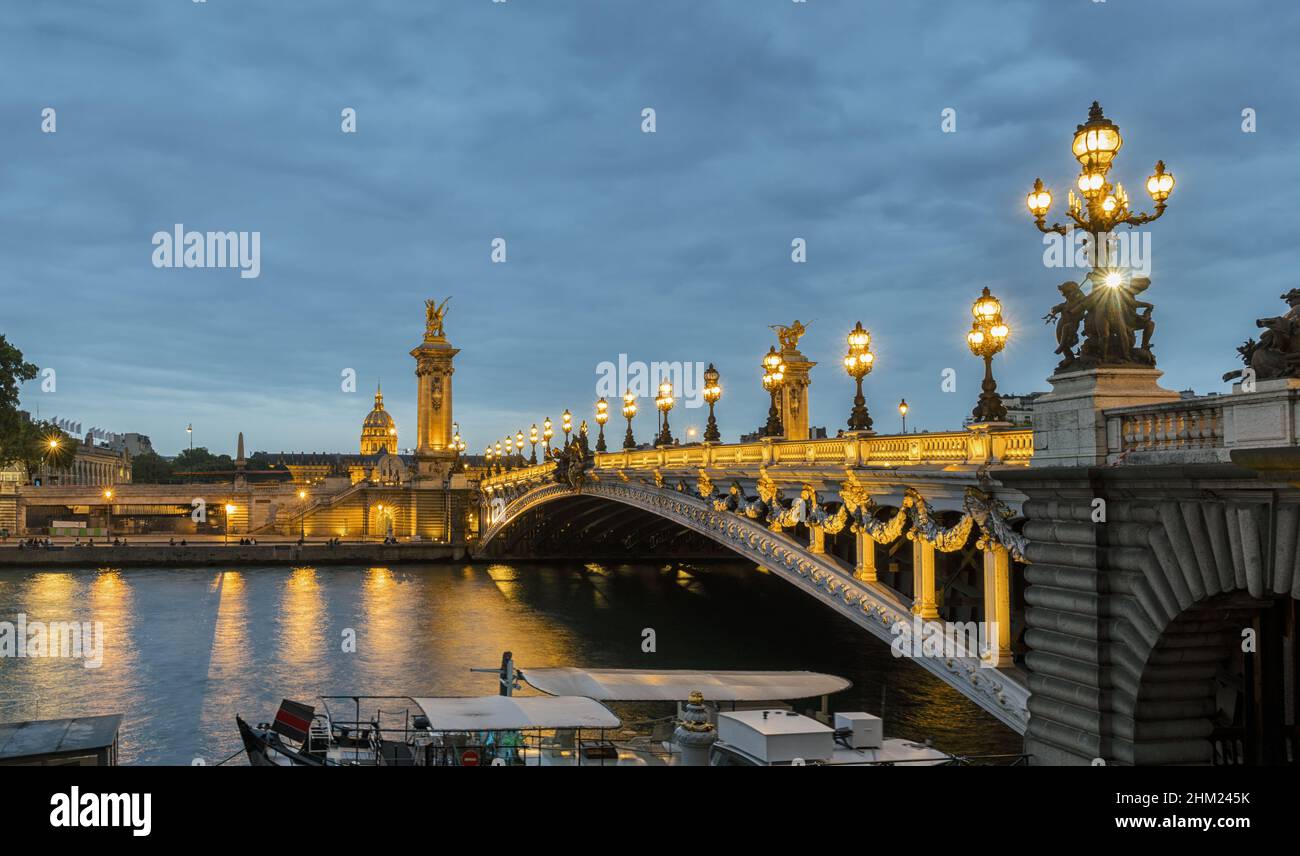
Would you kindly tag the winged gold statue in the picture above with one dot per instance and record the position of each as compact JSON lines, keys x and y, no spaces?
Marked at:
{"x":434,"y":315}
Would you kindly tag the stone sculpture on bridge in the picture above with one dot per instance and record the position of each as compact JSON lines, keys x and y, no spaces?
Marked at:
{"x":1277,"y":353}
{"x":1112,"y":316}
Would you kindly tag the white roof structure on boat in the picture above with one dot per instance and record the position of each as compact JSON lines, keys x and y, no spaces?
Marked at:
{"x":506,"y":713}
{"x":677,"y":685}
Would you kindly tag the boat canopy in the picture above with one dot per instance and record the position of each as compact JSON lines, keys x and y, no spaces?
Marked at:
{"x":507,"y":713}
{"x":677,"y":685}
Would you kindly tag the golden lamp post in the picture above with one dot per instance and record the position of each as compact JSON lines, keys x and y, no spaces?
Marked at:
{"x":532,"y":438}
{"x":302,"y":515}
{"x":230,"y":509}
{"x":773,"y":378}
{"x":519,"y":446}
{"x":487,"y":458}
{"x":629,"y":411}
{"x":1103,"y":206}
{"x":858,"y":362}
{"x":602,"y":416}
{"x":1109,"y":316}
{"x":902,"y":411}
{"x":712,"y":394}
{"x":988,"y":335}
{"x":566,"y":420}
{"x":664,"y":403}
{"x":501,"y":462}
{"x":547,"y":434}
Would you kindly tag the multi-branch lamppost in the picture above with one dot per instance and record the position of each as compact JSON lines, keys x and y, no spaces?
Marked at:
{"x":501,"y":462}
{"x":532,"y":438}
{"x":1096,"y":143}
{"x":712,"y":393}
{"x":1110,"y":316}
{"x":547,"y":434}
{"x":566,"y":422}
{"x":858,"y":362}
{"x":902,"y":411}
{"x":629,"y":411}
{"x":519,"y":446}
{"x":487,"y":460}
{"x":988,"y":335}
{"x":773,"y":379}
{"x":665,"y":403}
{"x":602,"y":416}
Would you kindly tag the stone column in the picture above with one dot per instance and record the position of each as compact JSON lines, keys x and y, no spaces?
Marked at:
{"x":816,"y":540}
{"x":794,"y":394}
{"x":997,"y":605}
{"x":433,"y":370}
{"x":923,"y":601}
{"x":865,"y":569}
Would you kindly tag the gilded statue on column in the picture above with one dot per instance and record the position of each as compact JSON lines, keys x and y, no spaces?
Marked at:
{"x":433,"y":318}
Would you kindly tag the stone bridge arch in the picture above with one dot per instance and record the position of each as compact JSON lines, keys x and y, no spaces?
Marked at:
{"x":722,"y":518}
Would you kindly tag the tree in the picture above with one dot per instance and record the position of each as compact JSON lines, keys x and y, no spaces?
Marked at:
{"x":14,"y":371}
{"x":45,"y":444}
{"x":151,"y":468}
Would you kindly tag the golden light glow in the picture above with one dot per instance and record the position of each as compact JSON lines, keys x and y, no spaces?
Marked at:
{"x":602,"y":412}
{"x":665,"y":400}
{"x":108,"y":494}
{"x":902,"y":407}
{"x":302,"y":494}
{"x":1113,"y":279}
{"x":1097,"y":142}
{"x":230,"y":509}
{"x":1161,"y":183}
{"x":712,"y":389}
{"x":532,"y":434}
{"x":1039,"y":199}
{"x":629,"y":405}
{"x":988,"y":333}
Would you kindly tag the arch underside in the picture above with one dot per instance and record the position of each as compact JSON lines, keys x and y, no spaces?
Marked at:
{"x":1136,"y":626}
{"x":871,"y":605}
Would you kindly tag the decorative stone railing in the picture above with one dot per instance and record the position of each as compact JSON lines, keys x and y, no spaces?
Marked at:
{"x":1193,"y":426}
{"x":975,"y":447}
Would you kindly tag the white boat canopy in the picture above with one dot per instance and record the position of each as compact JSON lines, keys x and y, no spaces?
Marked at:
{"x":507,"y":713}
{"x":677,"y":685}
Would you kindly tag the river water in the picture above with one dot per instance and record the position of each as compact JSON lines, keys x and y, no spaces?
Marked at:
{"x":185,"y":649}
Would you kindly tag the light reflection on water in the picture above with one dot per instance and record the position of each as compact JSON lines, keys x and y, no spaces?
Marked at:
{"x":188,"y":648}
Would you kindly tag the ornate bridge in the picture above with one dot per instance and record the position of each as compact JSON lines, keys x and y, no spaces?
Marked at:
{"x":840,"y":519}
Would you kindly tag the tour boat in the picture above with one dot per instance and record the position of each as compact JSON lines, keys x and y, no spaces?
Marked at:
{"x":724,"y":718}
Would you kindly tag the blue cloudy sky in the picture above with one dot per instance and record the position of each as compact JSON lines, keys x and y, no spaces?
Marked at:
{"x":522,"y":120}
